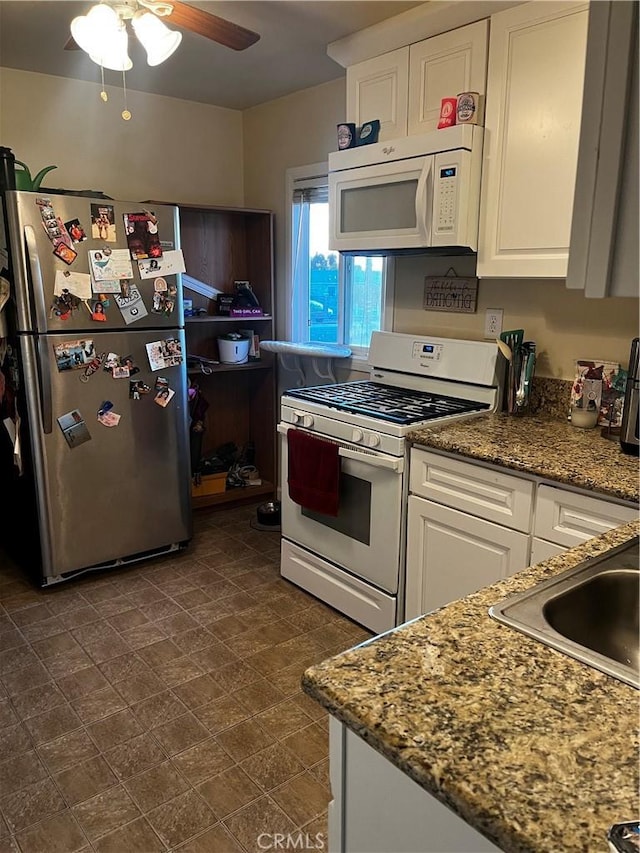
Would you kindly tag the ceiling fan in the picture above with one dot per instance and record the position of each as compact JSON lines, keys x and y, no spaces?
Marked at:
{"x":186,"y":17}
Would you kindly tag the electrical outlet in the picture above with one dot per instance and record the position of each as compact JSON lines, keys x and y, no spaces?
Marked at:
{"x":492,"y":322}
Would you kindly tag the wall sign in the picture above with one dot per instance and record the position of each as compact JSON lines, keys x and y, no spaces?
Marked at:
{"x":450,"y":293}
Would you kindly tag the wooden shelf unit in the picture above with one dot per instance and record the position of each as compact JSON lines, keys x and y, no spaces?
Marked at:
{"x":222,"y":245}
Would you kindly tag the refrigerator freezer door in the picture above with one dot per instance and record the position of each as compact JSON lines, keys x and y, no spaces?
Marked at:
{"x":104,"y":492}
{"x":35,"y":265}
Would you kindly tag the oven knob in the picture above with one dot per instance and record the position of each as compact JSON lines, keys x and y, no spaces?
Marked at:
{"x":307,"y":421}
{"x":374,"y":440}
{"x":295,"y":417}
{"x":357,"y":435}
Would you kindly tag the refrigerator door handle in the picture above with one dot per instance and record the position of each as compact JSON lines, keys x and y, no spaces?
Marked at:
{"x":44,"y":380}
{"x":36,"y":278}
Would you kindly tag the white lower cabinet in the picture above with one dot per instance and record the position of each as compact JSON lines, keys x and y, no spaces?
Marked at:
{"x":452,"y":554}
{"x":471,"y":524}
{"x":377,"y":808}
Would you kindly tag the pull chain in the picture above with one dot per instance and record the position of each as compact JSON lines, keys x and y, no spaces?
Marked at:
{"x":103,"y":93}
{"x":126,"y":115}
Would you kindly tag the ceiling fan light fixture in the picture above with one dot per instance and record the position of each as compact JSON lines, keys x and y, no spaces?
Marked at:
{"x":89,"y":30}
{"x":113,"y":51}
{"x":158,"y":40}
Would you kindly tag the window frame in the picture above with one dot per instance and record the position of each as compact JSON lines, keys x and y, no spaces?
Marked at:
{"x":296,"y":178}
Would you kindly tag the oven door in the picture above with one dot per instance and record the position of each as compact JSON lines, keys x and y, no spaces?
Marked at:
{"x":364,"y":538}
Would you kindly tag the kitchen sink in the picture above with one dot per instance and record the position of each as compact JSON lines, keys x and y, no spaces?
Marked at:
{"x":590,"y":612}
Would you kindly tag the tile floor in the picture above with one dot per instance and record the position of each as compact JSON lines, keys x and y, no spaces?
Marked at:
{"x":159,"y":707}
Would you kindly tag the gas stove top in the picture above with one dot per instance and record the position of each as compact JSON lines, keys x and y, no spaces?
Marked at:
{"x":403,"y":406}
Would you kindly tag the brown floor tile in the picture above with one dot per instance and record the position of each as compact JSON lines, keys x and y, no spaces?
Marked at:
{"x":230,"y":626}
{"x":41,"y":631}
{"x":106,"y":649}
{"x":25,"y":609}
{"x":140,"y":686}
{"x":158,"y":709}
{"x":198,"y":691}
{"x":127,"y":620}
{"x":244,"y":740}
{"x":310,"y":744}
{"x":178,"y":623}
{"x":320,"y":772}
{"x":221,"y":714}
{"x":283,"y":719}
{"x":146,"y":595}
{"x":99,"y":704}
{"x":311,"y":708}
{"x":115,"y":729}
{"x":317,"y":831}
{"x":58,"y":834}
{"x":85,"y":780}
{"x":17,"y":658}
{"x":105,"y":812}
{"x":180,"y":734}
{"x":126,"y":666}
{"x":67,"y":750}
{"x":113,"y":606}
{"x":271,"y":660}
{"x":61,"y":643}
{"x":261,"y":816}
{"x":135,"y":755}
{"x":20,"y":771}
{"x":229,"y":791}
{"x":178,"y":670}
{"x":135,"y":837}
{"x":288,"y":680}
{"x":144,"y":635}
{"x":272,"y":766}
{"x":181,"y":818}
{"x":194,"y":640}
{"x":81,"y":616}
{"x":25,"y":678}
{"x":7,"y":714}
{"x":155,"y":786}
{"x":159,"y":653}
{"x":302,"y":798}
{"x":214,"y":657}
{"x":235,"y":676}
{"x":37,"y":701}
{"x":214,"y":840}
{"x":193,"y":598}
{"x":93,"y":632}
{"x":201,"y":761}
{"x":82,"y":683}
{"x":11,"y":637}
{"x":52,"y":724}
{"x":161,"y":609}
{"x":258,"y":696}
{"x":31,"y":804}
{"x":68,"y":663}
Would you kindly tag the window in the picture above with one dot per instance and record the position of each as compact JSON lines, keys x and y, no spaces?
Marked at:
{"x":333,"y":298}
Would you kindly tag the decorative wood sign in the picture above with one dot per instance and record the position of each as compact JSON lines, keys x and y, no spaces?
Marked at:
{"x":450,"y":293}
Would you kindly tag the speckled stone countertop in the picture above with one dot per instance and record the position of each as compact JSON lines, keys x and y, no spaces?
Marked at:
{"x":534,"y":749}
{"x":543,"y":445}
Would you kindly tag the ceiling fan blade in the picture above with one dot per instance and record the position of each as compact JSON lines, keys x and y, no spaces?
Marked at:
{"x":211,"y":26}
{"x":71,"y":44}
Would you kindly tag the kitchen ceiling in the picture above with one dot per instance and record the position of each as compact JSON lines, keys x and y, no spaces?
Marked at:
{"x":290,"y":55}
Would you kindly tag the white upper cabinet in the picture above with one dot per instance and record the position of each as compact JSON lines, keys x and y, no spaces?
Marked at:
{"x":532,"y":126}
{"x":403,"y":88}
{"x":377,"y":89}
{"x":442,"y":67}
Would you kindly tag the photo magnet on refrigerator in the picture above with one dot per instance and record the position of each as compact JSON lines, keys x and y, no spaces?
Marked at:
{"x":74,"y":428}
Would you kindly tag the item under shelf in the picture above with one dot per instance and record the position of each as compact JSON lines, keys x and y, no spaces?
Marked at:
{"x":240,"y":495}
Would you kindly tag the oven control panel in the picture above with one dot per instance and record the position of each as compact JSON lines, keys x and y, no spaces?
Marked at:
{"x":424,"y":350}
{"x":344,"y":431}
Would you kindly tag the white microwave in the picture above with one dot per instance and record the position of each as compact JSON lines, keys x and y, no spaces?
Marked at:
{"x":405,"y":195}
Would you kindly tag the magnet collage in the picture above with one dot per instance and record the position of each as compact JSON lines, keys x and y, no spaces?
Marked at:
{"x":109,"y":283}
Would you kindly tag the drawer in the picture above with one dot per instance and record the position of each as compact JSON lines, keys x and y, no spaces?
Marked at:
{"x":567,"y":518}
{"x":474,"y":489}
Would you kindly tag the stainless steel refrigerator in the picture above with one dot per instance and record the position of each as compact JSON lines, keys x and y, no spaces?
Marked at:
{"x":103,"y":441}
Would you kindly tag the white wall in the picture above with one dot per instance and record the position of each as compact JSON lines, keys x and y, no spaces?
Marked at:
{"x":170,"y":150}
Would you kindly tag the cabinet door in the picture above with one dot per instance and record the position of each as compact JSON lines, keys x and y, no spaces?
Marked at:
{"x":377,"y":89}
{"x":569,"y":519}
{"x":533,"y":111}
{"x":442,"y":67}
{"x":380,"y":808}
{"x":542,"y":550}
{"x":451,"y":554}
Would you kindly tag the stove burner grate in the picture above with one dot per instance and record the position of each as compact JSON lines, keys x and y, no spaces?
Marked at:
{"x":395,"y":405}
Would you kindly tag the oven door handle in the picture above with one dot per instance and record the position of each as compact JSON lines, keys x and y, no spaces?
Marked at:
{"x":378,"y":460}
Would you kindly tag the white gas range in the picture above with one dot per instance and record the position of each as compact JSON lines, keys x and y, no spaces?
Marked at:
{"x":354,"y":561}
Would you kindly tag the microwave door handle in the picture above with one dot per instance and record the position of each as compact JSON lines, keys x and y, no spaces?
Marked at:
{"x":424,"y":197}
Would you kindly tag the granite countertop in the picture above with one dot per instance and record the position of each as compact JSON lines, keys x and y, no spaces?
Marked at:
{"x":535,"y":750}
{"x":544,"y":445}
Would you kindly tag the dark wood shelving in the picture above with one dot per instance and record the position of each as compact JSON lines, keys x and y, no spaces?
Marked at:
{"x":236,"y":496}
{"x":220,"y":246}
